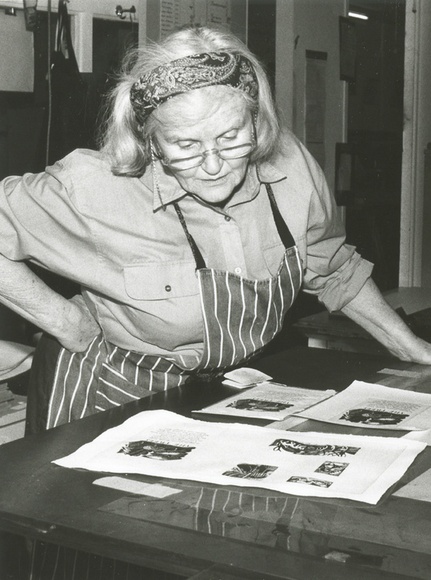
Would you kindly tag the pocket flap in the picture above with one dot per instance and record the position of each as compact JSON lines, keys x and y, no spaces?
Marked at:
{"x":161,"y":280}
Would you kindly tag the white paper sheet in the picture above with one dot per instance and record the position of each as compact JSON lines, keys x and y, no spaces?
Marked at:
{"x":268,"y":400}
{"x":136,"y":487}
{"x":424,"y":436}
{"x":375,"y":406}
{"x":247,"y":376}
{"x":164,"y":444}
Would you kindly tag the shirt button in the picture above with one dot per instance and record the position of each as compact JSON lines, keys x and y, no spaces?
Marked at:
{"x":227,"y":218}
{"x":238,"y":270}
{"x":168,"y":288}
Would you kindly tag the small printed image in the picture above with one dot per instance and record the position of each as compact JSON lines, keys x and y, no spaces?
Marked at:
{"x":299,"y":448}
{"x":332,"y":468}
{"x":250,"y":471}
{"x":152,"y":450}
{"x":259,"y":405}
{"x":373,"y":417}
{"x":309,"y":481}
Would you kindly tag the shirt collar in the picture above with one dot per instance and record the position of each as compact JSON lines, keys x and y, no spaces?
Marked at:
{"x":170,"y":190}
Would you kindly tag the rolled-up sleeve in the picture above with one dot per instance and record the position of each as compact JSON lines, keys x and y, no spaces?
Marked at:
{"x":40,"y":222}
{"x":338,"y":288}
{"x":333,"y":270}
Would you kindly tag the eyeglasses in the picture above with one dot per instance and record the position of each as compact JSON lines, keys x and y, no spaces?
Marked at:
{"x":184,"y":163}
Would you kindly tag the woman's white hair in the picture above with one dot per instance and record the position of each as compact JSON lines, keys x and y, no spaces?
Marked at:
{"x":127,"y":143}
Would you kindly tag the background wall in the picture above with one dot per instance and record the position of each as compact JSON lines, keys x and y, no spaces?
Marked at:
{"x":283,"y":33}
{"x":16,"y":48}
{"x":311,"y":25}
{"x":415,"y":263}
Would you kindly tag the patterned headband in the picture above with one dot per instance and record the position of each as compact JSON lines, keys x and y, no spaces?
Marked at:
{"x":189,"y":73}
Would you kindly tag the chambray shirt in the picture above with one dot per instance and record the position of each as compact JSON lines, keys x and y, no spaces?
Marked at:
{"x":127,"y":249}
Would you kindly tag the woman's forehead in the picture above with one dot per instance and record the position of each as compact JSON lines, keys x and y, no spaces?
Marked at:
{"x":207,"y":108}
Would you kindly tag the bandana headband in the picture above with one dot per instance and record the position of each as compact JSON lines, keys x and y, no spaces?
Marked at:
{"x":188,"y":73}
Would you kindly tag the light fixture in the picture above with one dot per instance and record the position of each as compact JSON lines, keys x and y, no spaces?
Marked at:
{"x":360,"y":15}
{"x":120,"y":11}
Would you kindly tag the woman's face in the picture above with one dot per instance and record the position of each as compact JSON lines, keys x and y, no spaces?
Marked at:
{"x":194,"y":123}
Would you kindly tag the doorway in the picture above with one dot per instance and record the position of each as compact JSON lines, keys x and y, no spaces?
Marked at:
{"x":374,"y":136}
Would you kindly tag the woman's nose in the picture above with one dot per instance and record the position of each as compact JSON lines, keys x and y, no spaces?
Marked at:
{"x":212,"y":162}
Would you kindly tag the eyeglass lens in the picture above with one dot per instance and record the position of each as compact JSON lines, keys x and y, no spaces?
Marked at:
{"x":228,"y":153}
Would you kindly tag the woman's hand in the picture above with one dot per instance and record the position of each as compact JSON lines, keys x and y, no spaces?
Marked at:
{"x":69,"y":321}
{"x":79,"y":325}
{"x":373,"y":313}
{"x":415,"y":350}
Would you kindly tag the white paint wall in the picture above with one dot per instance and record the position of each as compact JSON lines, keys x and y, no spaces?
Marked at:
{"x":17,"y":65}
{"x":105,"y":8}
{"x":415,"y":266}
{"x":81,"y":12}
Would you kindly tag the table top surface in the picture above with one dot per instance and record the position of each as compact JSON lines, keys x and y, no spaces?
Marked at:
{"x":280,"y":535}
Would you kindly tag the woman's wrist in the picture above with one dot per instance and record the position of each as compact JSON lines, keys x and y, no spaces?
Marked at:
{"x":77,"y":327}
{"x":406,"y":346}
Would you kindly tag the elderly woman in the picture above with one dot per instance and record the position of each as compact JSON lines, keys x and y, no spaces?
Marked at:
{"x":191,"y":233}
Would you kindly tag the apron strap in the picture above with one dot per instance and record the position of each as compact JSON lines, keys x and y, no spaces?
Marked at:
{"x":200,"y":262}
{"x":283,"y":230}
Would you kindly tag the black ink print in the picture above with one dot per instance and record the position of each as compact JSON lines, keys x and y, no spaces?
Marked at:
{"x":299,"y":448}
{"x":259,"y":405}
{"x":309,"y":481}
{"x":373,"y":417}
{"x":152,"y":450}
{"x":332,"y":468}
{"x":250,"y":471}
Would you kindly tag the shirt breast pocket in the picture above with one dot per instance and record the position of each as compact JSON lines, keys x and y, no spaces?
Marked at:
{"x":273,"y":256}
{"x":161,"y":280}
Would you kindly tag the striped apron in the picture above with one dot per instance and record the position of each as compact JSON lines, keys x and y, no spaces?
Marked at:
{"x":240,"y":317}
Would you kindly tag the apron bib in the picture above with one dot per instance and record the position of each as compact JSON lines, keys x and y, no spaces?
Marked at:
{"x":240,"y":317}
